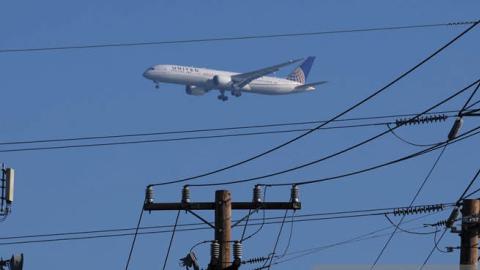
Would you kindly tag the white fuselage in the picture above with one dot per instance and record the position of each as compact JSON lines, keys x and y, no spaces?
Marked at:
{"x":203,"y":78}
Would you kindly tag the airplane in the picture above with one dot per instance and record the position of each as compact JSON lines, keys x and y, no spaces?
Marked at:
{"x":199,"y":81}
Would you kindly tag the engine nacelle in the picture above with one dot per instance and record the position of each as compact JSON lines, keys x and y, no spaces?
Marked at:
{"x":195,"y":90}
{"x":221,"y":81}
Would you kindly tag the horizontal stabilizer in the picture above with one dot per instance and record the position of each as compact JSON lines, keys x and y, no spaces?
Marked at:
{"x":304,"y":86}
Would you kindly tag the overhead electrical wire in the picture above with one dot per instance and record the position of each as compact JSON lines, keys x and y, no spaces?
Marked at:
{"x":118,"y":232}
{"x":423,"y":184}
{"x":276,"y":242}
{"x":232,"y":38}
{"x":407,"y":231}
{"x":175,"y":139}
{"x":469,"y":99}
{"x":370,"y":235}
{"x":416,"y":154}
{"x":287,"y":247}
{"x":407,"y":141}
{"x":447,"y":113}
{"x":462,"y":196}
{"x":171,"y":241}
{"x":417,"y":193}
{"x":345,"y":150}
{"x":132,"y":246}
{"x":243,"y":239}
{"x":57,"y":147}
{"x":358,"y":104}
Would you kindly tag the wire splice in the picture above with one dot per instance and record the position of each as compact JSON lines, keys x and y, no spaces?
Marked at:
{"x":418,"y":210}
{"x":421,"y":120}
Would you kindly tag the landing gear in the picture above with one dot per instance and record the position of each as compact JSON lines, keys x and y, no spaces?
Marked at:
{"x":236,"y":93}
{"x":157,"y":85}
{"x":222,"y":96}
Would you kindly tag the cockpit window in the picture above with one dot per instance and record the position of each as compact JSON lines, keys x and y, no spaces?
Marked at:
{"x":152,"y":68}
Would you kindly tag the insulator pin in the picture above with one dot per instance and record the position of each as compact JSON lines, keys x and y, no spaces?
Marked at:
{"x":149,"y":195}
{"x":294,"y":194}
{"x":215,"y":250}
{"x":257,"y":194}
{"x":185,"y":194}
{"x":455,"y":128}
{"x":237,"y":251}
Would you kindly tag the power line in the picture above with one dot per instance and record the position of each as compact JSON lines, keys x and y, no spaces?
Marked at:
{"x":233,"y":38}
{"x":114,"y":143}
{"x":462,"y":196}
{"x":423,"y":184}
{"x":119,"y":232}
{"x":176,"y":139}
{"x":420,"y":188}
{"x":362,"y":237}
{"x":358,"y":104}
{"x":345,"y":150}
{"x":42,"y":148}
{"x":132,"y":246}
{"x":447,"y":113}
{"x":407,"y":141}
{"x":171,"y":240}
{"x":416,"y":154}
{"x":277,"y":240}
{"x":469,"y":99}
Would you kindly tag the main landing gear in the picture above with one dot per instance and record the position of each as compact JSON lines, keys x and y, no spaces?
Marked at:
{"x":157,"y":85}
{"x":222,"y":96}
{"x":236,"y":93}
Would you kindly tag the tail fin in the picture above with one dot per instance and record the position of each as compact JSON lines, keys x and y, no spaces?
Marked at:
{"x":300,"y":74}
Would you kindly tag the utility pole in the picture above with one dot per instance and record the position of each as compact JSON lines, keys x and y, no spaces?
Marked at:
{"x":469,"y":234}
{"x":223,"y":206}
{"x":223,"y":225}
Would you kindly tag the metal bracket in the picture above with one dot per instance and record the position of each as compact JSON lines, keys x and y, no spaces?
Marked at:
{"x":201,"y":218}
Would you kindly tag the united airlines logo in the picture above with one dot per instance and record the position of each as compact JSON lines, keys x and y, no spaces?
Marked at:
{"x":298,"y":76}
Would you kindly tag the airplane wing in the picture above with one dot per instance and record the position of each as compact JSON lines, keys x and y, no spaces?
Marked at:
{"x":240,"y":80}
{"x":304,"y":86}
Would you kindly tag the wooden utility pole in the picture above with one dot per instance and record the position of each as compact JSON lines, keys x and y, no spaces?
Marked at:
{"x":223,"y":225}
{"x":469,"y":235}
{"x":223,"y":207}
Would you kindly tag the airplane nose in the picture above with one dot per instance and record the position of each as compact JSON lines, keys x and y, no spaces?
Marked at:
{"x":146,"y":74}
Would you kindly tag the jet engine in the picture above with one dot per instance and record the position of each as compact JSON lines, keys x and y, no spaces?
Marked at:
{"x":222,"y":82}
{"x":195,"y":90}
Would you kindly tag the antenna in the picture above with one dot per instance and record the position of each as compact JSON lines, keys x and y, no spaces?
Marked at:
{"x":15,"y":263}
{"x":7,"y":183}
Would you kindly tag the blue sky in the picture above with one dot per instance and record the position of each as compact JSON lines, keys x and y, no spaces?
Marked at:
{"x":102,"y":92}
